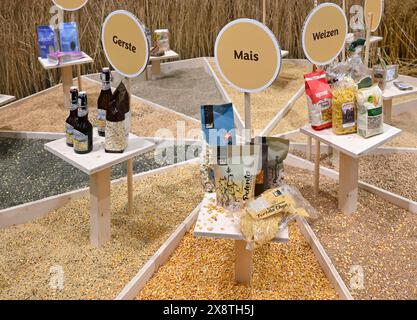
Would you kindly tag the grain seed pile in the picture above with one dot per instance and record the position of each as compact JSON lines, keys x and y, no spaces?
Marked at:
{"x":183,"y":90}
{"x":203,"y":268}
{"x":32,"y":254}
{"x":378,"y":240}
{"x":396,"y":172}
{"x":46,"y":113}
{"x":266,"y":104}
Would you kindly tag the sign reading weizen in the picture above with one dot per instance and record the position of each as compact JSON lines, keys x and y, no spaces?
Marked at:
{"x":376,"y":7}
{"x":125,"y":44}
{"x":70,"y":5}
{"x":324,"y":33}
{"x":248,"y":55}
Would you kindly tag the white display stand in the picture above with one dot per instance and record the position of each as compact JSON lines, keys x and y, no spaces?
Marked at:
{"x":284,"y":53}
{"x":351,"y":148}
{"x":97,"y":164}
{"x":391,"y":92}
{"x":66,"y":73}
{"x":227,"y":227}
{"x":156,"y":63}
{"x":5,"y":99}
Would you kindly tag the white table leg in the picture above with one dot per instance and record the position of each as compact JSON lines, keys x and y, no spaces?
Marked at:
{"x":80,"y":84}
{"x":309,"y":149}
{"x":316,"y":178}
{"x":100,"y":207}
{"x":336,"y":158}
{"x":156,"y":68}
{"x":388,"y":111}
{"x":66,"y":74}
{"x":243,"y":264}
{"x":348,"y":184}
{"x":130,"y":185}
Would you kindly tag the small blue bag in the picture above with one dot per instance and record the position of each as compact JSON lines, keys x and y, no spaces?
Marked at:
{"x":46,"y":41}
{"x":68,"y":35}
{"x":218,"y":124}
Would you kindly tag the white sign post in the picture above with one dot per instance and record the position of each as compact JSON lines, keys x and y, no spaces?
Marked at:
{"x":127,"y":49}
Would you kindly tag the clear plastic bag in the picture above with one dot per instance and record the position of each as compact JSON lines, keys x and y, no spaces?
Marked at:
{"x":266,"y":215}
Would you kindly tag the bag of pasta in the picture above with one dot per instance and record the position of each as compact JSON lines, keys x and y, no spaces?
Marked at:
{"x":271,"y":212}
{"x":344,"y":111}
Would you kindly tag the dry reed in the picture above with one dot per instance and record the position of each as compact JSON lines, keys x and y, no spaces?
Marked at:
{"x":194,"y":25}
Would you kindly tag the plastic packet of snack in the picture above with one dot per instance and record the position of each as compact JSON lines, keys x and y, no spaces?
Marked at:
{"x":235,"y":173}
{"x":344,"y":110}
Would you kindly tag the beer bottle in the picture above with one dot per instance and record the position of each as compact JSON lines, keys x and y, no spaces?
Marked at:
{"x":115,"y":123}
{"x":72,"y":118}
{"x":103,"y":102}
{"x":83,"y":130}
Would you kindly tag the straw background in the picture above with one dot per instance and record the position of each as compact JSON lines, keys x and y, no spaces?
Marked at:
{"x":194,"y":25}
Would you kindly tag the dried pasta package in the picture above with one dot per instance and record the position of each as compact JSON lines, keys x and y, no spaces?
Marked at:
{"x":344,"y":111}
{"x":235,"y":173}
{"x":370,"y":112}
{"x":319,"y":99}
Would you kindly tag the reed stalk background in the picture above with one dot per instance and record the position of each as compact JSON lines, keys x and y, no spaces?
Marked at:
{"x":194,"y":25}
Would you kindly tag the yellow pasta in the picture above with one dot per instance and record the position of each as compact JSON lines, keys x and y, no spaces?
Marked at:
{"x":344,"y":110}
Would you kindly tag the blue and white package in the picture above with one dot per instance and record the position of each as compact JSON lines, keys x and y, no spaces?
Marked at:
{"x":68,"y":35}
{"x":46,"y":41}
{"x":218,"y":124}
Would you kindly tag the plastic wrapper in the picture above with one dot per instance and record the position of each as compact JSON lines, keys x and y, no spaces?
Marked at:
{"x":271,"y":212}
{"x":235,"y":174}
{"x":344,"y":111}
{"x":319,"y":99}
{"x":370,"y":112}
{"x":207,"y":170}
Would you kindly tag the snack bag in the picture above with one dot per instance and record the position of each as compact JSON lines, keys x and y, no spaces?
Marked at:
{"x":207,"y":170}
{"x":370,"y":112}
{"x":344,"y":111}
{"x":218,"y":124}
{"x":271,"y":212}
{"x":68,"y":35}
{"x":319,"y":99}
{"x":235,"y":173}
{"x":46,"y":41}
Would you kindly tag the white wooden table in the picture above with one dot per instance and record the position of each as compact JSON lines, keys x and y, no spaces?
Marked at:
{"x":5,"y":99}
{"x":156,"y":63}
{"x":97,"y":165}
{"x":227,"y":227}
{"x":391,"y":92}
{"x":66,"y":73}
{"x":351,"y":148}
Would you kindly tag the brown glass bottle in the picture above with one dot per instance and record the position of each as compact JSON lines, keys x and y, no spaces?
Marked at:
{"x":83,"y":130}
{"x":115,"y":126}
{"x":72,"y":118}
{"x":103,"y":101}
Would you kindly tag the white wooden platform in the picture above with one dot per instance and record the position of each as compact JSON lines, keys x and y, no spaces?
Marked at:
{"x":168,"y":55}
{"x":98,"y":159}
{"x":391,"y":91}
{"x":284,"y":53}
{"x":353,"y":144}
{"x":48,"y":65}
{"x":226,"y":227}
{"x":5,"y":99}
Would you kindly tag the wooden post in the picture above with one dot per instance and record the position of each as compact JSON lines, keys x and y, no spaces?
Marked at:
{"x":74,"y":18}
{"x":309,"y":149}
{"x":130,"y":161}
{"x":388,"y":111}
{"x":248,"y":119}
{"x":243,"y":264}
{"x":264,"y":12}
{"x":368,"y":38}
{"x":66,"y":74}
{"x":344,"y":47}
{"x":348,"y":184}
{"x":100,"y":208}
{"x":156,"y":69}
{"x":316,"y":182}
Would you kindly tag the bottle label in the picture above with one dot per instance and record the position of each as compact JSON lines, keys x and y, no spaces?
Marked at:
{"x":115,"y":136}
{"x":82,"y":112}
{"x":101,"y":120}
{"x":73,"y":106}
{"x":80,"y":141}
{"x":105,"y":86}
{"x":69,"y":133}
